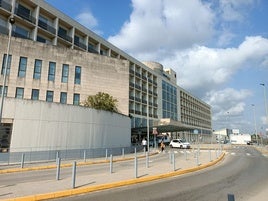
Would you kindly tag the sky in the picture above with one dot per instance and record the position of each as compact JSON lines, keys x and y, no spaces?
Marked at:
{"x":218,"y":48}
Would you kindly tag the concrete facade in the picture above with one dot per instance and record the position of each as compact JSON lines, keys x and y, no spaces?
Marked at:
{"x":108,"y":74}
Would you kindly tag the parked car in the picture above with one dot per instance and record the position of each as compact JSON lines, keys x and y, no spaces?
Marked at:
{"x":179,"y":143}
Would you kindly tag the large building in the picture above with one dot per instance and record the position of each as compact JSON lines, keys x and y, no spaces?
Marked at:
{"x":54,"y":59}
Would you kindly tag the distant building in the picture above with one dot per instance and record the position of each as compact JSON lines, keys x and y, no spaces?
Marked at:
{"x":56,"y":60}
{"x":240,"y":138}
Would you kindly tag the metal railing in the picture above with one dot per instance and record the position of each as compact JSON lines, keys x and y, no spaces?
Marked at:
{"x":5,"y":5}
{"x":25,"y":15}
{"x":46,"y":27}
{"x":67,"y":154}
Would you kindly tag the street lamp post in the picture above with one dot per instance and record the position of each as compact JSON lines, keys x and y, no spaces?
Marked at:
{"x":254,"y":113}
{"x":148,"y":123}
{"x":265,"y":101}
{"x":11,"y":21}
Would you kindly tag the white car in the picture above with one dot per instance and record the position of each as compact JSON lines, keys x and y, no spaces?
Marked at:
{"x":179,"y":143}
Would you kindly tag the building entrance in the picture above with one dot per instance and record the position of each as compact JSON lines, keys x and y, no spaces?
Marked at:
{"x":5,"y":136}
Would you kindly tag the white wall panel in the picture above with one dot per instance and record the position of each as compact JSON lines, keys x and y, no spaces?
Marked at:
{"x":39,"y":125}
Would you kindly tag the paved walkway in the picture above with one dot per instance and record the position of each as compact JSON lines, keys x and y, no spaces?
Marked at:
{"x":160,"y":166}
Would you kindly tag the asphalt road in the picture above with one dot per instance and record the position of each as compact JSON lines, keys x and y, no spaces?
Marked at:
{"x":241,"y":176}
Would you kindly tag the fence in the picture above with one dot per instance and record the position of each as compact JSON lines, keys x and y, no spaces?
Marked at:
{"x":67,"y":154}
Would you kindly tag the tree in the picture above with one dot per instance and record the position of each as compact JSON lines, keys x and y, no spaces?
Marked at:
{"x":101,"y":101}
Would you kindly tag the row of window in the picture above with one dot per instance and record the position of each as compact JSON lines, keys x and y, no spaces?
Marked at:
{"x":38,"y":69}
{"x":49,"y":95}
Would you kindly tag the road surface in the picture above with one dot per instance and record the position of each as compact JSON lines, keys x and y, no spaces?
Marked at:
{"x":243,"y":176}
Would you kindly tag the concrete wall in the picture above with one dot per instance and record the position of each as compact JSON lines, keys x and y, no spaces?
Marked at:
{"x":38,"y":125}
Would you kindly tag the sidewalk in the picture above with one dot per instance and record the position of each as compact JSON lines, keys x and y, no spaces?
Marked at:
{"x":186,"y":161}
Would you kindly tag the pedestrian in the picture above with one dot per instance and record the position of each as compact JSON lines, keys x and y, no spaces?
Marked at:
{"x":162,"y":146}
{"x":144,"y":144}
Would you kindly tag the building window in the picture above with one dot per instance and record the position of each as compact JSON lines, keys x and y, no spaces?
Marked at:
{"x":63,"y":97}
{"x":19,"y":93}
{"x":5,"y":91}
{"x":169,"y":101}
{"x":77,"y":77}
{"x":23,"y":12}
{"x":50,"y":95}
{"x":22,"y":67}
{"x":35,"y":94}
{"x":37,"y":69}
{"x":65,"y":72}
{"x":20,"y":32}
{"x":76,"y":100}
{"x":51,"y":71}
{"x":8,"y":64}
{"x":41,"y":39}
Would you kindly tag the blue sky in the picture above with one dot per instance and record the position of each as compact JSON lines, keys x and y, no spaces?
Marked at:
{"x":219,"y":48}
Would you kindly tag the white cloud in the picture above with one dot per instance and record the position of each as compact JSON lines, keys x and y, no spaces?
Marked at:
{"x":87,"y":19}
{"x":210,"y":68}
{"x":228,"y":107}
{"x":234,"y":10}
{"x":164,"y":26}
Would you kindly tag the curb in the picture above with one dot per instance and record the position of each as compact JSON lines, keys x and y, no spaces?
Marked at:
{"x":70,"y":192}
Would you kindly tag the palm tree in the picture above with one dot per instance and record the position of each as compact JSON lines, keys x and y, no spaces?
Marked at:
{"x":101,"y":101}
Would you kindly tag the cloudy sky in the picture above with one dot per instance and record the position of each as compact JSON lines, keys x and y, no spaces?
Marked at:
{"x":219,"y":48}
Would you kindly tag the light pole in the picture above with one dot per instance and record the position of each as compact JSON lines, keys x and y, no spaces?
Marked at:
{"x":148,"y":123}
{"x":254,"y":113}
{"x":11,"y":21}
{"x":265,"y":101}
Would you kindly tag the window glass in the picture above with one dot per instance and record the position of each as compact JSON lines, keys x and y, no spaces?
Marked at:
{"x":51,"y":71}
{"x":77,"y":77}
{"x":63,"y":97}
{"x":65,"y":73}
{"x":37,"y":69}
{"x":21,"y":32}
{"x":35,"y":94}
{"x":5,"y":91}
{"x":22,"y":67}
{"x":76,"y":100}
{"x":49,"y":97}
{"x":41,"y":39}
{"x":19,"y":93}
{"x":23,"y":10}
{"x":8,"y":64}
{"x":62,"y":31}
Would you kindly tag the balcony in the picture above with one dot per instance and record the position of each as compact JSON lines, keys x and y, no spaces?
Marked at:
{"x":138,"y":74}
{"x":5,"y":5}
{"x":25,"y":15}
{"x":131,"y":111}
{"x":137,"y":99}
{"x":65,"y":37}
{"x":46,"y":27}
{"x":80,"y":44}
{"x":131,"y":71}
{"x":132,"y":98}
{"x":137,"y":86}
{"x":19,"y":35}
{"x":132,"y":85}
{"x":92,"y":50}
{"x":137,"y":112}
{"x":3,"y":30}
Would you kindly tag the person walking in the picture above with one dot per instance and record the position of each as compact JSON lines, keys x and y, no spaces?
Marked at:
{"x":162,"y":146}
{"x":144,"y":144}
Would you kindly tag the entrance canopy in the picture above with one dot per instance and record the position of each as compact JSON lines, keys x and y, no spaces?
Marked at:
{"x":169,"y":125}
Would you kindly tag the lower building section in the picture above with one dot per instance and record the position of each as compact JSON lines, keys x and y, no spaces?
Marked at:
{"x":41,"y":126}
